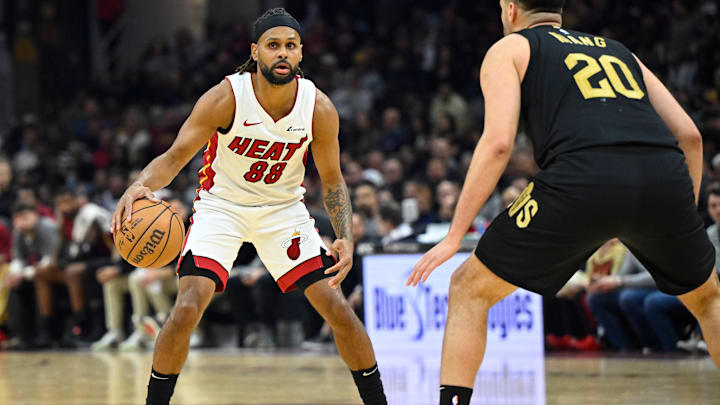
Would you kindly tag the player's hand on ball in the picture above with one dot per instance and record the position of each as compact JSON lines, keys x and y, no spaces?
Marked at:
{"x":430,"y":260}
{"x":344,"y":250}
{"x":124,"y":205}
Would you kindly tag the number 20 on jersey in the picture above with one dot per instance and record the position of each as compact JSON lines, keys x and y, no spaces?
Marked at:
{"x":610,"y":84}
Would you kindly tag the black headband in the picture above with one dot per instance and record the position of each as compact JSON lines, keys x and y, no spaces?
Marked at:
{"x":279,"y":20}
{"x":547,"y":10}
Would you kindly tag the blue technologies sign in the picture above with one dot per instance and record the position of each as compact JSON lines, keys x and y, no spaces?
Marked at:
{"x":399,"y":317}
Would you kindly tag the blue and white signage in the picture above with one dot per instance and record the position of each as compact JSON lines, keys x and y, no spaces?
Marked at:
{"x":400,"y":318}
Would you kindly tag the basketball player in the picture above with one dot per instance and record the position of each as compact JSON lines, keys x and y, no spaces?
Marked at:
{"x":619,"y":158}
{"x":258,"y":124}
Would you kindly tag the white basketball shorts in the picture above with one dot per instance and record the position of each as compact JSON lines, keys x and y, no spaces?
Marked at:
{"x":284,"y":236}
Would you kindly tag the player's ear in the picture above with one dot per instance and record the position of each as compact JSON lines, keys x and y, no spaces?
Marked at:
{"x":254,"y":51}
{"x":512,"y":11}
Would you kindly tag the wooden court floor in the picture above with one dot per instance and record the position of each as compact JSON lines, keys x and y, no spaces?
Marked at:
{"x":234,"y":377}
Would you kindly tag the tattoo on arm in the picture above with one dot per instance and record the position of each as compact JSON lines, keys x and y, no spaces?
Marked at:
{"x":337,"y":204}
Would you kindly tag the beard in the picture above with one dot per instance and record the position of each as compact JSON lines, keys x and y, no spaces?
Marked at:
{"x":276,"y":79}
{"x":365,"y":210}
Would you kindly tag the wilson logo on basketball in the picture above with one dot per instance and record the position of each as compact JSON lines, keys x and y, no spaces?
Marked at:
{"x":150,"y":245}
{"x":293,"y":244}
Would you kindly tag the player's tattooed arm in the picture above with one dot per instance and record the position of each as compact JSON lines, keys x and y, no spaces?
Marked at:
{"x":326,"y":153}
{"x":337,"y":203}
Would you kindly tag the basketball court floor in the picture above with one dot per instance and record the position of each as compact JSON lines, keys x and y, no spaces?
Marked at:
{"x":238,"y":377}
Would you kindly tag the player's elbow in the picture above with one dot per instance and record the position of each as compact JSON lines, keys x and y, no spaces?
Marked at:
{"x":690,"y":137}
{"x":501,"y":148}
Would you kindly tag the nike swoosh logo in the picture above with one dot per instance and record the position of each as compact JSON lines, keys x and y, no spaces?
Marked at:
{"x":249,"y":125}
{"x":365,"y":374}
{"x":159,"y":378}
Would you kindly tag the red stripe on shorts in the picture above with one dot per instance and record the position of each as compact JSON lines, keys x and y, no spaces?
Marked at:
{"x":287,"y":281}
{"x":209,"y":264}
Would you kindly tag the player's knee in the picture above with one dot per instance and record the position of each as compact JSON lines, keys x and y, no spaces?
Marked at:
{"x":114,"y":285}
{"x":74,"y":271}
{"x":650,"y":305}
{"x":628,"y":302}
{"x":466,"y":284}
{"x":135,"y":278}
{"x":185,"y":315}
{"x":41,"y":278}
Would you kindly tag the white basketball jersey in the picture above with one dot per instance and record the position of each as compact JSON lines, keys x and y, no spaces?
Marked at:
{"x":260,"y":161}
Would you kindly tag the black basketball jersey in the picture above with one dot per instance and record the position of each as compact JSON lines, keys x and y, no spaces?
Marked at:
{"x":582,"y":91}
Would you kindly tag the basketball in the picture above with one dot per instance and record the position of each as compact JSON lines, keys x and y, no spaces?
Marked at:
{"x":153,"y":237}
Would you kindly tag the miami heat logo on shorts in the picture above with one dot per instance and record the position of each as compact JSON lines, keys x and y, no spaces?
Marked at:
{"x":292,"y":244}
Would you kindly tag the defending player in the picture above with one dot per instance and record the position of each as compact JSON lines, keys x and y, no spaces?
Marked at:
{"x":609,"y":139}
{"x":257,"y":125}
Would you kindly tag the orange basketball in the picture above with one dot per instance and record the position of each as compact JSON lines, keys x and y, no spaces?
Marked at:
{"x":154,"y":236}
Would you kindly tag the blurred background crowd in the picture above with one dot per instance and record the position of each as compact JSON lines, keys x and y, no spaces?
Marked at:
{"x":403,"y":76}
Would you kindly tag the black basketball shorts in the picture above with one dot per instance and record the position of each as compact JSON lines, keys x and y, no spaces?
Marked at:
{"x":550,"y":231}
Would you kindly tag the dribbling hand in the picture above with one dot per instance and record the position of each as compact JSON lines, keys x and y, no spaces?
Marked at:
{"x":430,"y":260}
{"x":344,"y":250}
{"x":124,"y":205}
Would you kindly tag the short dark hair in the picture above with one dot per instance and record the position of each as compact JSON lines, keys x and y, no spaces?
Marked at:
{"x":367,"y":183}
{"x":540,"y":6}
{"x":713,"y":189}
{"x":391,"y":213}
{"x":21,"y":206}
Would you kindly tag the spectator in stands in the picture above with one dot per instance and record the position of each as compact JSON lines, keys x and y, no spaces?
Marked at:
{"x":509,"y":195}
{"x":88,"y":249}
{"x":352,"y":172}
{"x":447,"y":101}
{"x":34,"y":260}
{"x":607,"y":261}
{"x":26,"y":195}
{"x":426,"y":205}
{"x":393,"y":173}
{"x":617,"y":302}
{"x":393,"y":134}
{"x":713,"y":205}
{"x":116,"y":186}
{"x":604,"y":262}
{"x":446,"y":209}
{"x":365,"y":202}
{"x":447,"y":190}
{"x":393,"y":226}
{"x":436,"y":171}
